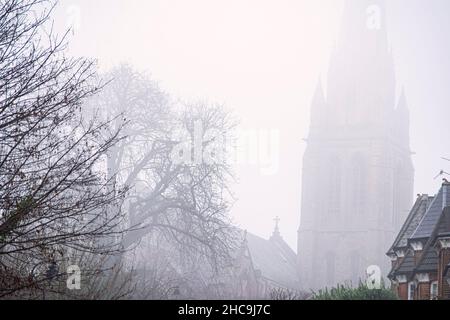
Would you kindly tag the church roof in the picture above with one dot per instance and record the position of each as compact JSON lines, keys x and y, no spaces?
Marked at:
{"x":411,"y":223}
{"x":274,"y":259}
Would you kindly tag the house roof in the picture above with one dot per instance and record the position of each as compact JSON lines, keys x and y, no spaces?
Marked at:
{"x":431,"y":217}
{"x":415,"y":216}
{"x":407,"y":265}
{"x":429,"y":261}
{"x":443,"y":228}
{"x":274,"y":259}
{"x":435,"y":223}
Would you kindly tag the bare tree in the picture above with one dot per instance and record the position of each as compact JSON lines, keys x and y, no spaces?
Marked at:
{"x":187,"y":203}
{"x":288,"y":295}
{"x":55,"y":198}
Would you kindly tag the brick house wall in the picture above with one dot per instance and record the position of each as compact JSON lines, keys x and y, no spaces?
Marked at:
{"x":423,"y":291}
{"x":444,"y":260}
{"x":403,"y":291}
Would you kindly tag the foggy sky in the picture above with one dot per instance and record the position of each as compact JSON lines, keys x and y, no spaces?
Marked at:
{"x":262,"y":59}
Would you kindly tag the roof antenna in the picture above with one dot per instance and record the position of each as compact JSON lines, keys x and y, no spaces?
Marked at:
{"x":442,"y":173}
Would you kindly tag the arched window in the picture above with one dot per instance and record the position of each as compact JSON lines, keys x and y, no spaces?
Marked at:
{"x":358,"y":184}
{"x":335,"y":184}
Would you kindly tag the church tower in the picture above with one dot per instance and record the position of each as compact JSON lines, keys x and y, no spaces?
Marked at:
{"x":358,"y":174}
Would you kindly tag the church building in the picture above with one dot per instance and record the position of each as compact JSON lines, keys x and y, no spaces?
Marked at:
{"x":358,"y":176}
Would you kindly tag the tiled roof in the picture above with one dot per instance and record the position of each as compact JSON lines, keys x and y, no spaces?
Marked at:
{"x":431,"y":217}
{"x":407,"y":266}
{"x":415,"y":216}
{"x":443,"y":228}
{"x":434,"y":223}
{"x":429,"y":261}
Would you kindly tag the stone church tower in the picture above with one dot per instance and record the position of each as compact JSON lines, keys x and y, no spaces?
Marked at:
{"x":357,"y":171}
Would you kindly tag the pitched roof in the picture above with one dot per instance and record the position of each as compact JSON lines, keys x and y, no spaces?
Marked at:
{"x":431,"y":217}
{"x":407,"y":266}
{"x":443,"y":228}
{"x":434,"y":223}
{"x":429,"y":259}
{"x":415,"y":216}
{"x":275,"y":259}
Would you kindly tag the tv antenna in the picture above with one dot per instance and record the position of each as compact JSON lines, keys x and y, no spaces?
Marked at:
{"x":442,"y":173}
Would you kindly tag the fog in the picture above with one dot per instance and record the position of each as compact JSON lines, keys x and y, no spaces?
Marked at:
{"x":290,"y":136}
{"x":262,"y":59}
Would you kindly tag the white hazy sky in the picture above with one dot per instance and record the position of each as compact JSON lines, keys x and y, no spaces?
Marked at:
{"x":262,"y":59}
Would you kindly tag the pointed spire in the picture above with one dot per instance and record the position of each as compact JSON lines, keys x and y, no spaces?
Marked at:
{"x":402,"y":103}
{"x":365,"y":14}
{"x":363,"y":19}
{"x":361,"y":71}
{"x":318,"y":112}
{"x":402,"y":116}
{"x":319,"y":96}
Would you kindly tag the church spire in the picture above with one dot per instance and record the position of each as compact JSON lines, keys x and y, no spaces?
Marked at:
{"x":402,"y":116}
{"x":402,"y":103}
{"x":364,"y":137}
{"x":363,"y":22}
{"x":319,"y":96}
{"x":361,"y":76}
{"x":318,"y":105}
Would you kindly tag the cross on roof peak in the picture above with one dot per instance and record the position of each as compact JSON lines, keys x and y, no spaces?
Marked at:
{"x":276,"y":232}
{"x":277,"y":221}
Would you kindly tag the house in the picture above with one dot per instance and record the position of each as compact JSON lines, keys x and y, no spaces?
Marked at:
{"x":420,"y":254}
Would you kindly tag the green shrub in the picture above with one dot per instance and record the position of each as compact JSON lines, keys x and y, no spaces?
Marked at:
{"x":345,"y":292}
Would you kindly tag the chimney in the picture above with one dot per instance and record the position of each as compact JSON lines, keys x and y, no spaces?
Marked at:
{"x":445,"y":200}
